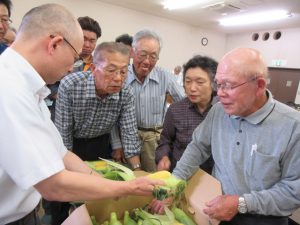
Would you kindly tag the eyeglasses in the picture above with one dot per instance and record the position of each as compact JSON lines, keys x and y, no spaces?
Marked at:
{"x":142,"y":55}
{"x":5,"y":20}
{"x":77,"y":61}
{"x":112,"y":71}
{"x":227,"y":86}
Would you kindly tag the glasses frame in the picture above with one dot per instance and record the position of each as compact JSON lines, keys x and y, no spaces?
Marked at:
{"x":227,"y":87}
{"x":78,"y":61}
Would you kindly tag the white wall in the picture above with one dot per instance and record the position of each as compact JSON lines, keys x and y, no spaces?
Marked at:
{"x":286,"y":48}
{"x":180,"y":41}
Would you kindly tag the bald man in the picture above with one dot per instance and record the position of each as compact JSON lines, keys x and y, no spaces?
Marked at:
{"x":33,"y":159}
{"x":254,"y":141}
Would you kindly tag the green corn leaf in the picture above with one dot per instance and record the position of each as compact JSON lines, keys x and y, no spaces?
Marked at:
{"x":126,"y":170}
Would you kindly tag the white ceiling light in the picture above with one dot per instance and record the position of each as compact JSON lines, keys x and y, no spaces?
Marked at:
{"x":260,"y":17}
{"x":180,"y":4}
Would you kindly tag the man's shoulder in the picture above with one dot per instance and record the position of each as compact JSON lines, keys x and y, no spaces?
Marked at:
{"x":73,"y":79}
{"x":286,"y":111}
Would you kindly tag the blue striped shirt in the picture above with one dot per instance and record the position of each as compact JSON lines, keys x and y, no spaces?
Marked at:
{"x":150,"y":103}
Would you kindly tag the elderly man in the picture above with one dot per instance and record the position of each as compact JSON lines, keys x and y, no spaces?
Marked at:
{"x":255,"y":143}
{"x":150,"y":84}
{"x":33,"y":158}
{"x":91,"y":103}
{"x":5,"y":8}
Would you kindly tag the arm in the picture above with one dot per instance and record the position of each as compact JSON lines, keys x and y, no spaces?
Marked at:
{"x":128,"y":129}
{"x":76,"y":183}
{"x":118,"y":153}
{"x":73,"y":186}
{"x":64,"y":115}
{"x":165,"y":146}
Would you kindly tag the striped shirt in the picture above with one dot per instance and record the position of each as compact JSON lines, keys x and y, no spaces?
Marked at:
{"x":81,"y":113}
{"x":150,"y":96}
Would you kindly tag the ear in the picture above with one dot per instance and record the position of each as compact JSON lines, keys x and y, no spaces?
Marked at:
{"x":262,"y":85}
{"x":54,"y":43}
{"x":92,"y":67}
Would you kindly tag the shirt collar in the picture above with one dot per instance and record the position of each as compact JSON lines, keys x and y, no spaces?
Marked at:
{"x":262,"y":113}
{"x":132,"y":76}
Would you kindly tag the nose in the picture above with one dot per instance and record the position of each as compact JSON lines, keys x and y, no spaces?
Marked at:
{"x":220,"y":91}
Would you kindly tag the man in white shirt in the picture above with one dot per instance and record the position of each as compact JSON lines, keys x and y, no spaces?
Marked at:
{"x":33,"y":159}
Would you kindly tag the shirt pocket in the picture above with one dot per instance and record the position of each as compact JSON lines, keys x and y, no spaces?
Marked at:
{"x":263,"y":170}
{"x":157,"y":104}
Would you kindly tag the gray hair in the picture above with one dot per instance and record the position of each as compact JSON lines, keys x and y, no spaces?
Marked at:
{"x":147,"y":34}
{"x":110,"y":47}
{"x":48,"y":19}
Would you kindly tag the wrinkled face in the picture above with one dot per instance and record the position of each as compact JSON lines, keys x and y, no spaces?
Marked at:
{"x":4,"y":17}
{"x":145,"y":56}
{"x":90,"y":40}
{"x":110,"y":73}
{"x":198,"y":86}
{"x":237,"y":93}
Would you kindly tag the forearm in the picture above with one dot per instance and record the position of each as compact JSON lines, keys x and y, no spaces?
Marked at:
{"x":74,"y":163}
{"x":74,"y":186}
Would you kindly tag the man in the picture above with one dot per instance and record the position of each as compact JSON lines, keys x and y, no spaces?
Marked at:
{"x":255,"y":143}
{"x":150,"y":84}
{"x":91,"y":32}
{"x":33,"y":158}
{"x":9,"y":36}
{"x":91,"y":103}
{"x":5,"y":10}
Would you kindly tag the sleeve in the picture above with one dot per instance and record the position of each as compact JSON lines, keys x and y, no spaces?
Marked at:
{"x":128,"y":125}
{"x":174,"y":89}
{"x":115,"y":139}
{"x":167,"y":137}
{"x":64,"y":114}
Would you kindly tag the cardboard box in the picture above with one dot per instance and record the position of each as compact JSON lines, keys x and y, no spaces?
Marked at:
{"x":201,"y":188}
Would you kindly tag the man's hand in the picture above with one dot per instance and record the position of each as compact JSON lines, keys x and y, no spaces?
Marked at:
{"x":164,"y":164}
{"x":144,"y":185}
{"x":118,"y":155}
{"x":223,"y":207}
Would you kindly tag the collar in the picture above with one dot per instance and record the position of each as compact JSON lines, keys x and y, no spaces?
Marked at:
{"x":262,"y":113}
{"x":132,"y":76}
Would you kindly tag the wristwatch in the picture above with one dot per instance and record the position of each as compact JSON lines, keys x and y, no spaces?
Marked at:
{"x":242,"y":206}
{"x":136,"y":166}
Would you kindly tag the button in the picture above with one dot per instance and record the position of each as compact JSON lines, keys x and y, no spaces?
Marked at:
{"x":238,"y":143}
{"x":240,"y":131}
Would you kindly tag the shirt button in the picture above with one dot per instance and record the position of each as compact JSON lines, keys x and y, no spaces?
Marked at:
{"x":238,"y":143}
{"x":240,"y":131}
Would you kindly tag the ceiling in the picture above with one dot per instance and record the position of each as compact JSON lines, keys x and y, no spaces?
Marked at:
{"x":208,"y":18}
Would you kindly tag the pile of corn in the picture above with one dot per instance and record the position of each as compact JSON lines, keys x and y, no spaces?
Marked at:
{"x":140,"y":216}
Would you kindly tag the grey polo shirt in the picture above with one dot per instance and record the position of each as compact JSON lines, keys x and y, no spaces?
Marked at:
{"x":257,"y":156}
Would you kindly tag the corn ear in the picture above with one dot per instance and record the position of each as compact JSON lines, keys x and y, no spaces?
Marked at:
{"x":160,"y":175}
